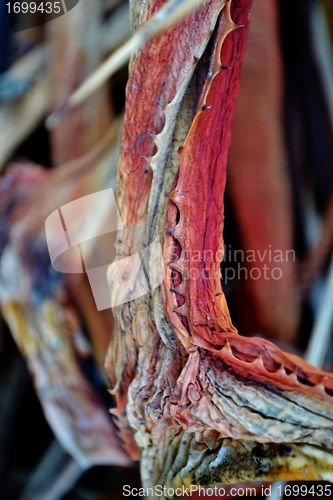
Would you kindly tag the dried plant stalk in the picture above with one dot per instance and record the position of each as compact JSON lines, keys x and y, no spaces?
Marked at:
{"x":199,"y":403}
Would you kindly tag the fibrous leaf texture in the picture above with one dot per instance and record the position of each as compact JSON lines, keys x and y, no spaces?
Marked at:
{"x":197,"y":402}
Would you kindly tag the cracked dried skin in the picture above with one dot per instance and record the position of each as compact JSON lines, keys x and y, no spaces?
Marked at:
{"x":237,"y":461}
{"x":204,"y":405}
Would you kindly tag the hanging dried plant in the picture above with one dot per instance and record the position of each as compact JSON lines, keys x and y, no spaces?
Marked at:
{"x":199,"y":403}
